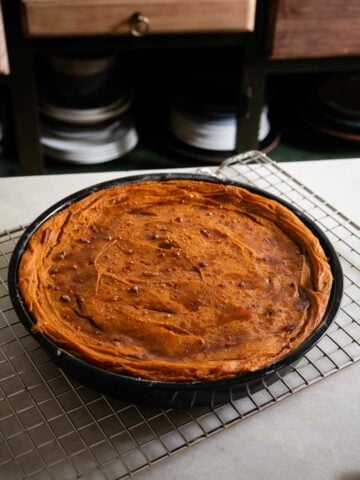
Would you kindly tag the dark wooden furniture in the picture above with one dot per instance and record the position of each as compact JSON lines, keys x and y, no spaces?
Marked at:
{"x":271,"y":36}
{"x":38,"y":26}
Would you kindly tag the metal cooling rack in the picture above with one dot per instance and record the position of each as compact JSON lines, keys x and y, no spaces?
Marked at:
{"x":52,"y":427}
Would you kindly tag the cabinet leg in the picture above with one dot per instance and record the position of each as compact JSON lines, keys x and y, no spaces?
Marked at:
{"x":253,"y":81}
{"x":23,"y":92}
{"x":253,"y":86}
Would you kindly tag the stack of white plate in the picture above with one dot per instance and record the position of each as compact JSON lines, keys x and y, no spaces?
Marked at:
{"x":91,"y":145}
{"x":85,"y":109}
{"x":88,"y":135}
{"x":210,"y":131}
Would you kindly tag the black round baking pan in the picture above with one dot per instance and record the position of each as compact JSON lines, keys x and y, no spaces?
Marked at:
{"x":172,"y":394}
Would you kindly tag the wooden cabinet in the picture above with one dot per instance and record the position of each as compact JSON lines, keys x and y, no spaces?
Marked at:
{"x":314,"y":29}
{"x":37,"y":27}
{"x":118,"y":17}
{"x":318,"y":31}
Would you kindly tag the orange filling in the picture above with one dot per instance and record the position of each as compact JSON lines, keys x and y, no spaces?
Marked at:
{"x":176,"y":281}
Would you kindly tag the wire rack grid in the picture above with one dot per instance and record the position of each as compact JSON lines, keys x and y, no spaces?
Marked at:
{"x":53,"y":427}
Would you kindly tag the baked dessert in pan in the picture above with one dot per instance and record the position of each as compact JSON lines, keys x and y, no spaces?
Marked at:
{"x":175,"y":281}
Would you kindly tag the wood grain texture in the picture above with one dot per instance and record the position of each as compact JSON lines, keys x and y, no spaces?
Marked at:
{"x":4,"y":61}
{"x":314,"y":29}
{"x":111,"y":17}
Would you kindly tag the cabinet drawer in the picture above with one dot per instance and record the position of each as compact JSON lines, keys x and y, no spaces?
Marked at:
{"x":114,"y":17}
{"x":321,"y":28}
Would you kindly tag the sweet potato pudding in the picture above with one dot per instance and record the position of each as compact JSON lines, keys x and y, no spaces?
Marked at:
{"x":176,"y":280}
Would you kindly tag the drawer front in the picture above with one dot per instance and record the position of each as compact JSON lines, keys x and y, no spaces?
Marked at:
{"x":321,"y":28}
{"x":116,"y":17}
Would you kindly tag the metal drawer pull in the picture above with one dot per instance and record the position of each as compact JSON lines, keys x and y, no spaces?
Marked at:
{"x":139,"y":25}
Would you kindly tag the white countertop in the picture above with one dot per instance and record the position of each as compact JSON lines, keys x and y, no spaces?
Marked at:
{"x":312,"y":435}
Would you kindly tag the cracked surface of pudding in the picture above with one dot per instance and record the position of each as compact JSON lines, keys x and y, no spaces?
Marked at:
{"x":175,"y":280}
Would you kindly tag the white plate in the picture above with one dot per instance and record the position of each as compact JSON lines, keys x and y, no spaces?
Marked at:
{"x":99,"y":133}
{"x":89,"y":154}
{"x":87,"y":116}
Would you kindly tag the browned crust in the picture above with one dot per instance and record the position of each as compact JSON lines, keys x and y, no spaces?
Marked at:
{"x":176,"y":281}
